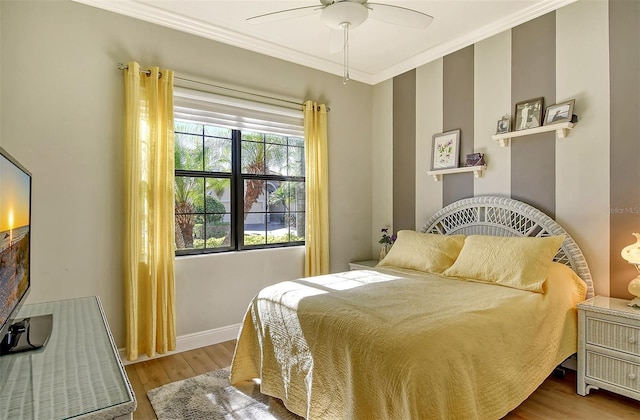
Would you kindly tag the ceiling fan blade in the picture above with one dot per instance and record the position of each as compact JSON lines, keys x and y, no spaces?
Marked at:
{"x":284,"y":14}
{"x":336,"y":41}
{"x":398,"y":15}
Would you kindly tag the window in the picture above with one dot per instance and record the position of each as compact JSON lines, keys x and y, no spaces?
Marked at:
{"x":237,"y":186}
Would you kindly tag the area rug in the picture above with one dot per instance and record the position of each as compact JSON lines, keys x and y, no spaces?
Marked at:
{"x":211,"y":396}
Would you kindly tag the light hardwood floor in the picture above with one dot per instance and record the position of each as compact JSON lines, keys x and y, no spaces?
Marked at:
{"x":555,"y":399}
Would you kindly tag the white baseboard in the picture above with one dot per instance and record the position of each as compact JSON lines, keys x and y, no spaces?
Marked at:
{"x":191,"y":342}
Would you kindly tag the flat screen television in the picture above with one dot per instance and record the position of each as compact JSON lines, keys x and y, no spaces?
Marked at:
{"x":15,"y":261}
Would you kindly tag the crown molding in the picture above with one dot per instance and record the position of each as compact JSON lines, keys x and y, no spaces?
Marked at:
{"x":471,"y":38}
{"x":196,"y":27}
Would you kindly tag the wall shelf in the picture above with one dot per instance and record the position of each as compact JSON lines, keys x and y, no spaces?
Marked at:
{"x":561,"y":129}
{"x":477,"y":171}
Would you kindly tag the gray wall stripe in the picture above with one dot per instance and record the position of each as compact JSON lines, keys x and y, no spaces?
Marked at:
{"x":624,"y":68}
{"x":404,"y":151}
{"x":533,"y":74}
{"x":458,"y":112}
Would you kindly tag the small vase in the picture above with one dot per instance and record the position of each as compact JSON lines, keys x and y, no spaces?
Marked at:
{"x":383,"y":251}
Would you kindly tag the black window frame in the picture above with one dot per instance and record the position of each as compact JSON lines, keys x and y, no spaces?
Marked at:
{"x":237,"y":182}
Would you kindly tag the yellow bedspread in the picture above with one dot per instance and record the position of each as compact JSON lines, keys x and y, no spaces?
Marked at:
{"x":394,"y":344}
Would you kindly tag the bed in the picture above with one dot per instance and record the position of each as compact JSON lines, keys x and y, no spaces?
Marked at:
{"x":463,"y":320}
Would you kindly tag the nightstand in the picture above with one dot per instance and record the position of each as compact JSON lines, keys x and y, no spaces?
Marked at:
{"x":362,"y":265}
{"x":608,"y":347}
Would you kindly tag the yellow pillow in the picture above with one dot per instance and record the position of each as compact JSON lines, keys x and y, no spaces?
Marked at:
{"x":518,"y":262}
{"x":427,"y":252}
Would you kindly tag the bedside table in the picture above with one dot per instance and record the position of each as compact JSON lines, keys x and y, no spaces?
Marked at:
{"x":362,"y":265}
{"x":608,"y":347}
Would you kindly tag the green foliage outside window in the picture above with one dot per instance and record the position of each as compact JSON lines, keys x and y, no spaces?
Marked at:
{"x":272,"y":188}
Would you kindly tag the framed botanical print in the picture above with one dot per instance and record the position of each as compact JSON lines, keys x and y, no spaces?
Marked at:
{"x":445,"y":153}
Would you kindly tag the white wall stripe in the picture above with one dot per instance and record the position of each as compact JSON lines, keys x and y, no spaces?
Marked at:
{"x":492,"y":100}
{"x":381,"y":162}
{"x":582,"y":159}
{"x":428,"y":122}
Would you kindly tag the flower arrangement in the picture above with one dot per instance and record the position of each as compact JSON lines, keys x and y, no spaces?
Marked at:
{"x":386,"y":239}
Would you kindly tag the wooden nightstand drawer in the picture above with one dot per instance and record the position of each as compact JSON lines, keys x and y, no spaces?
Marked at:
{"x":613,"y":335}
{"x":614,"y":371}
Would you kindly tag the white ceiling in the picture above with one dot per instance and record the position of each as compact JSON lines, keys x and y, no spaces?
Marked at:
{"x":378,"y":51}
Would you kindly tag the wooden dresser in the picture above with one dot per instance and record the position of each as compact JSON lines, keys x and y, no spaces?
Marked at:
{"x":78,"y":374}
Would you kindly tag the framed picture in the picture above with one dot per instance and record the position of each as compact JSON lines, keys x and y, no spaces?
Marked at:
{"x":445,"y":150}
{"x":529,"y":114}
{"x":475,"y":159}
{"x":504,"y":125}
{"x":559,"y":112}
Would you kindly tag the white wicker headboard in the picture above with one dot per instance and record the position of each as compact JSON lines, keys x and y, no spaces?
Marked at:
{"x":500,"y":216}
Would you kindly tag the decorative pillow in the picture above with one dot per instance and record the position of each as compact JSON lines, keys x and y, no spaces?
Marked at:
{"x":427,"y":252}
{"x":518,"y":262}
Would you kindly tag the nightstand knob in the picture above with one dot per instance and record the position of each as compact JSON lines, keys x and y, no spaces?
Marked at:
{"x":631,"y":376}
{"x":632,"y":340}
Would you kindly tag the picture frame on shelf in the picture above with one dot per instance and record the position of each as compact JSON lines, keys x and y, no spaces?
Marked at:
{"x":445,"y":150}
{"x":504,"y":125}
{"x":474,"y":159}
{"x":560,"y":112}
{"x":528,"y":114}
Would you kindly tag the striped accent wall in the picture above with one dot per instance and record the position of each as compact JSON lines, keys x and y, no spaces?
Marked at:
{"x":457,"y":105}
{"x":404,"y":140}
{"x":429,"y":117}
{"x":589,"y":181}
{"x":533,"y":75}
{"x":624,"y":67}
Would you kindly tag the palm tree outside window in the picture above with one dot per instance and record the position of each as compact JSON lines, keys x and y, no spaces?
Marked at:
{"x":237,"y":189}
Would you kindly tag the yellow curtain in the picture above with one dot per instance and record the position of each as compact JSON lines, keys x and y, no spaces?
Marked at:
{"x":149,"y":206}
{"x":316,"y":259}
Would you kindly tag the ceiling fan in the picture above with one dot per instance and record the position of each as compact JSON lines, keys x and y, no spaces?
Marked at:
{"x":343,"y":15}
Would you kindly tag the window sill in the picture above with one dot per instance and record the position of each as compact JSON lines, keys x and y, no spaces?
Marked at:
{"x":243,"y":252}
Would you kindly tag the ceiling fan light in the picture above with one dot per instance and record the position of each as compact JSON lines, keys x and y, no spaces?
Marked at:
{"x":353,"y":13}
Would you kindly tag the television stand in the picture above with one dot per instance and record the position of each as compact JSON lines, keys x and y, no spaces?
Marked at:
{"x":27,"y":334}
{"x":77,"y":375}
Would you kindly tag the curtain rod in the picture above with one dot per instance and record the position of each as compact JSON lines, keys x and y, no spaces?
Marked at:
{"x":147,"y":72}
